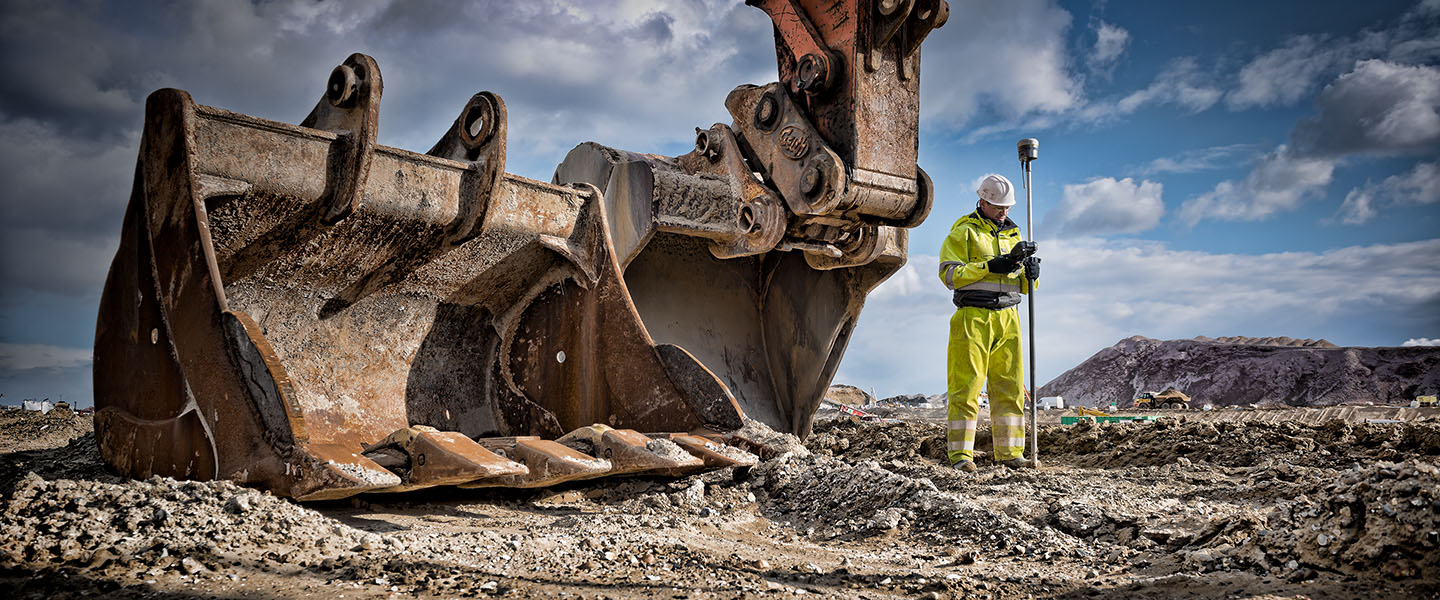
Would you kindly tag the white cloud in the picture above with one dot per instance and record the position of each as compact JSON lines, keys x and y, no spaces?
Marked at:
{"x":17,"y":357}
{"x":1379,"y":107}
{"x":1287,"y":75}
{"x":1421,"y":342}
{"x":1095,"y":292}
{"x":1278,"y":183}
{"x":1420,"y":185}
{"x":1180,"y":84}
{"x":1281,"y":77}
{"x":1190,"y":161}
{"x":917,"y":276}
{"x":1105,"y":205}
{"x":1110,"y":42}
{"x":1006,"y":56}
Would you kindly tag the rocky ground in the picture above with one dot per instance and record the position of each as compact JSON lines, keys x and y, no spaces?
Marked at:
{"x":1179,"y":508}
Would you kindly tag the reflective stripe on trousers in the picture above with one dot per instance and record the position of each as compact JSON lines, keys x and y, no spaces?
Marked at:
{"x":960,"y":436}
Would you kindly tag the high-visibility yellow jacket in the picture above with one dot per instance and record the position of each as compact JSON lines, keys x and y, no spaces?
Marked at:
{"x":973,"y":240}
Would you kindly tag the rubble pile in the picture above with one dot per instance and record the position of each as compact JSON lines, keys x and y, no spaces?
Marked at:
{"x":1334,"y":444}
{"x":830,"y":498}
{"x":32,"y":429}
{"x":76,"y":459}
{"x":1380,"y":515}
{"x":163,"y":525}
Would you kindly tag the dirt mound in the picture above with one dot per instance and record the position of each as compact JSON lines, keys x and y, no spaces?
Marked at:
{"x":79,"y":458}
{"x":848,"y":394}
{"x":831,"y":498}
{"x":164,"y":525}
{"x":1230,"y":372}
{"x":30,"y":429}
{"x":1335,"y":444}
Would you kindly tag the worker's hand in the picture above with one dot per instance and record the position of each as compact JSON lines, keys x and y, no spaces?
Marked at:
{"x":1002,"y":264}
{"x":1032,"y":268}
{"x":1022,"y":250}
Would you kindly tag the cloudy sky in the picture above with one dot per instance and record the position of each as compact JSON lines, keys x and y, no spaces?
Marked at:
{"x":1210,"y":168}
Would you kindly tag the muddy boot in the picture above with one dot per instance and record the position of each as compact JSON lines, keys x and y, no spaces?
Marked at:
{"x":964,"y":466}
{"x":1018,"y":462}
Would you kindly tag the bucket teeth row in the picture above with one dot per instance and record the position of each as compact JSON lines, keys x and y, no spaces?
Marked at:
{"x":418,"y":457}
{"x":715,"y":455}
{"x":549,"y":463}
{"x":425,"y":457}
{"x":630,"y":452}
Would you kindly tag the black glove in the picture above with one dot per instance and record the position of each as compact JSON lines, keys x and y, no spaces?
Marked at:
{"x":1032,"y":268}
{"x":1002,"y":264}
{"x":1022,"y":250}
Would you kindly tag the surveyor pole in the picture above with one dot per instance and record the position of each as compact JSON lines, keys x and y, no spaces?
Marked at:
{"x":1029,"y":149}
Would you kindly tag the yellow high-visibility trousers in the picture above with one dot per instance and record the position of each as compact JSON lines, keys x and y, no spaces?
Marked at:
{"x":984,"y":352}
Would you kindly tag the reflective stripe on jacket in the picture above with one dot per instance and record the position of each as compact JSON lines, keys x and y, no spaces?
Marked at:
{"x":973,"y":240}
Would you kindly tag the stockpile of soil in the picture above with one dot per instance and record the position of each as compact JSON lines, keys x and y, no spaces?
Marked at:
{"x":30,"y":429}
{"x":1335,"y":444}
{"x":163,"y":524}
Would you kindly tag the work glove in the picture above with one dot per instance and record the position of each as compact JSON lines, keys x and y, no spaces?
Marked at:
{"x":1002,"y":264}
{"x":1032,"y":268}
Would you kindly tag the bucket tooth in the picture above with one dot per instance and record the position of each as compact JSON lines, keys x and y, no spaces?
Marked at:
{"x":632,"y":452}
{"x":425,"y":457}
{"x":330,"y":471}
{"x":548,"y":463}
{"x":715,"y":455}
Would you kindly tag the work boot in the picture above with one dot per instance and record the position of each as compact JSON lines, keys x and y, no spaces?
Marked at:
{"x":1018,"y":462}
{"x":966,"y":466}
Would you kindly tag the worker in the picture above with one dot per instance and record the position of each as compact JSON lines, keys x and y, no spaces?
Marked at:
{"x":988,"y":266}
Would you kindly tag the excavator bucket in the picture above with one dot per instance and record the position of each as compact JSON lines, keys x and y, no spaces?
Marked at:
{"x":299,"y":308}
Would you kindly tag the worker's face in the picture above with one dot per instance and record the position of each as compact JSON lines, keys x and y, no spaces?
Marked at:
{"x":993,"y":212}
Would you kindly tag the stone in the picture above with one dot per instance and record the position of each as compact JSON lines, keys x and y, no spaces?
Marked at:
{"x":238,"y":504}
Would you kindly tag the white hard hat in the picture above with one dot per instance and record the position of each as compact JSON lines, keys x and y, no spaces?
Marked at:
{"x":996,"y":189}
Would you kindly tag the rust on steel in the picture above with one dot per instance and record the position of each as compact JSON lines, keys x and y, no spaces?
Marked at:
{"x":299,"y":308}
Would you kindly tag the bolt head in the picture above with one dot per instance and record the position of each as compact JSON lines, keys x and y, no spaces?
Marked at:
{"x":811,"y":179}
{"x":811,"y":72}
{"x":767,"y":111}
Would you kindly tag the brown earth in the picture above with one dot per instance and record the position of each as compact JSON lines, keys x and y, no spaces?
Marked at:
{"x":848,"y":394}
{"x":1181,"y":507}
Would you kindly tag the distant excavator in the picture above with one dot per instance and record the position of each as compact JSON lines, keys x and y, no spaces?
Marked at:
{"x":296,"y":307}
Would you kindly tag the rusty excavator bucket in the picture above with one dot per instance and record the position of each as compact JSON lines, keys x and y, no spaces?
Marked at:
{"x":299,"y":308}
